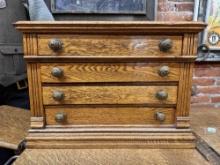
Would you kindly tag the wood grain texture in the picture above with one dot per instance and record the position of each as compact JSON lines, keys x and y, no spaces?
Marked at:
{"x":112,"y":157}
{"x":166,"y":138}
{"x":195,"y":44}
{"x":207,"y":152}
{"x":182,"y":122}
{"x":110,"y":27}
{"x":14,"y":125}
{"x":109,"y":94}
{"x":109,"y":45}
{"x":37,"y":122}
{"x":34,"y":84}
{"x":30,"y":44}
{"x":114,"y":116}
{"x":184,"y":94}
{"x":190,"y":43}
{"x":109,"y":59}
{"x":109,"y":72}
{"x":90,"y":52}
{"x":202,"y":118}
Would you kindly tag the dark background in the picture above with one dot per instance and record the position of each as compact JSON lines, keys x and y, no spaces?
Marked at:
{"x":99,"y":6}
{"x":150,"y":14}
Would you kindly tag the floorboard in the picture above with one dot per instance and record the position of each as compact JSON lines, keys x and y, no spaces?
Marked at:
{"x":111,"y":157}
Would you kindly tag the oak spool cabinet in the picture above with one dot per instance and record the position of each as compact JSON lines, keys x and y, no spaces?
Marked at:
{"x":103,"y":84}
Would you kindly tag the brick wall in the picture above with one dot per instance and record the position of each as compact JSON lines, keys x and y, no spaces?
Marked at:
{"x":175,"y":10}
{"x":206,"y":80}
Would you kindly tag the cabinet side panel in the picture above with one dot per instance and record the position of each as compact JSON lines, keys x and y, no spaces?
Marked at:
{"x":36,"y":103}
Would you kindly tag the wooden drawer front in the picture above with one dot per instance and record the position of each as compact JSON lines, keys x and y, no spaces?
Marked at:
{"x":81,"y":116}
{"x":108,"y":72}
{"x":108,"y":45}
{"x":108,"y":95}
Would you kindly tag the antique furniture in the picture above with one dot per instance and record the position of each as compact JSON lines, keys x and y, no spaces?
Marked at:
{"x":110,"y":84}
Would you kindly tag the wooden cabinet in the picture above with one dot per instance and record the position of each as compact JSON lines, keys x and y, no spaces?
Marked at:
{"x":109,"y":45}
{"x":109,"y":116}
{"x":110,"y":84}
{"x":109,"y":94}
{"x":109,"y":72}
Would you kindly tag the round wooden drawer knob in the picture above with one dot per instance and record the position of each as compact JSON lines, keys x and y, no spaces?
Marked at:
{"x":165,"y":45}
{"x":164,"y":71}
{"x":162,"y":95}
{"x":55,"y":44}
{"x":60,"y":117}
{"x":57,"y":72}
{"x":58,"y":96}
{"x":160,"y":116}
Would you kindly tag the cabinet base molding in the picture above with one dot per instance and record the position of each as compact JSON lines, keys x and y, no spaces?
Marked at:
{"x":111,"y":140}
{"x":183,"y":122}
{"x":37,"y":122}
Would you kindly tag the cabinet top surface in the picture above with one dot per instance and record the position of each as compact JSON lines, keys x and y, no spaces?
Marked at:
{"x":109,"y":26}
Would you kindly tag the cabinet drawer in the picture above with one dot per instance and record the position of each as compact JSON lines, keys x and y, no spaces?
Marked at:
{"x":109,"y":72}
{"x":97,"y":115}
{"x":109,"y":45}
{"x":109,"y":95}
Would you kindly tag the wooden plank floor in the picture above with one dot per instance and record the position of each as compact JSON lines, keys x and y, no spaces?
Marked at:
{"x":111,"y":157}
{"x":201,"y":119}
{"x":14,"y":125}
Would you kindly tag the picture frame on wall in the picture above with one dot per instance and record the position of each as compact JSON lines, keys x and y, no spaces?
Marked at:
{"x":209,"y":12}
{"x":99,"y":6}
{"x":138,"y":9}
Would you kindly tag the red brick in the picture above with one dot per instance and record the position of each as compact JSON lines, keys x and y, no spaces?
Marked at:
{"x":207,"y":72}
{"x":203,"y":81}
{"x":215,"y":99}
{"x":184,"y":7}
{"x":215,"y":65}
{"x":174,"y":16}
{"x":162,"y":1}
{"x":200,"y":99}
{"x":207,"y":65}
{"x":163,"y":6}
{"x":209,"y":90}
{"x":202,"y":106}
{"x":202,"y":66}
{"x":175,"y":7}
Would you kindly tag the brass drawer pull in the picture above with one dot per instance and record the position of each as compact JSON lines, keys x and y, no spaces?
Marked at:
{"x":162,"y":95}
{"x":165,"y":45}
{"x":57,"y":72}
{"x":60,"y":117}
{"x":58,"y":96}
{"x":160,"y":116}
{"x":164,"y":71}
{"x":55,"y":44}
